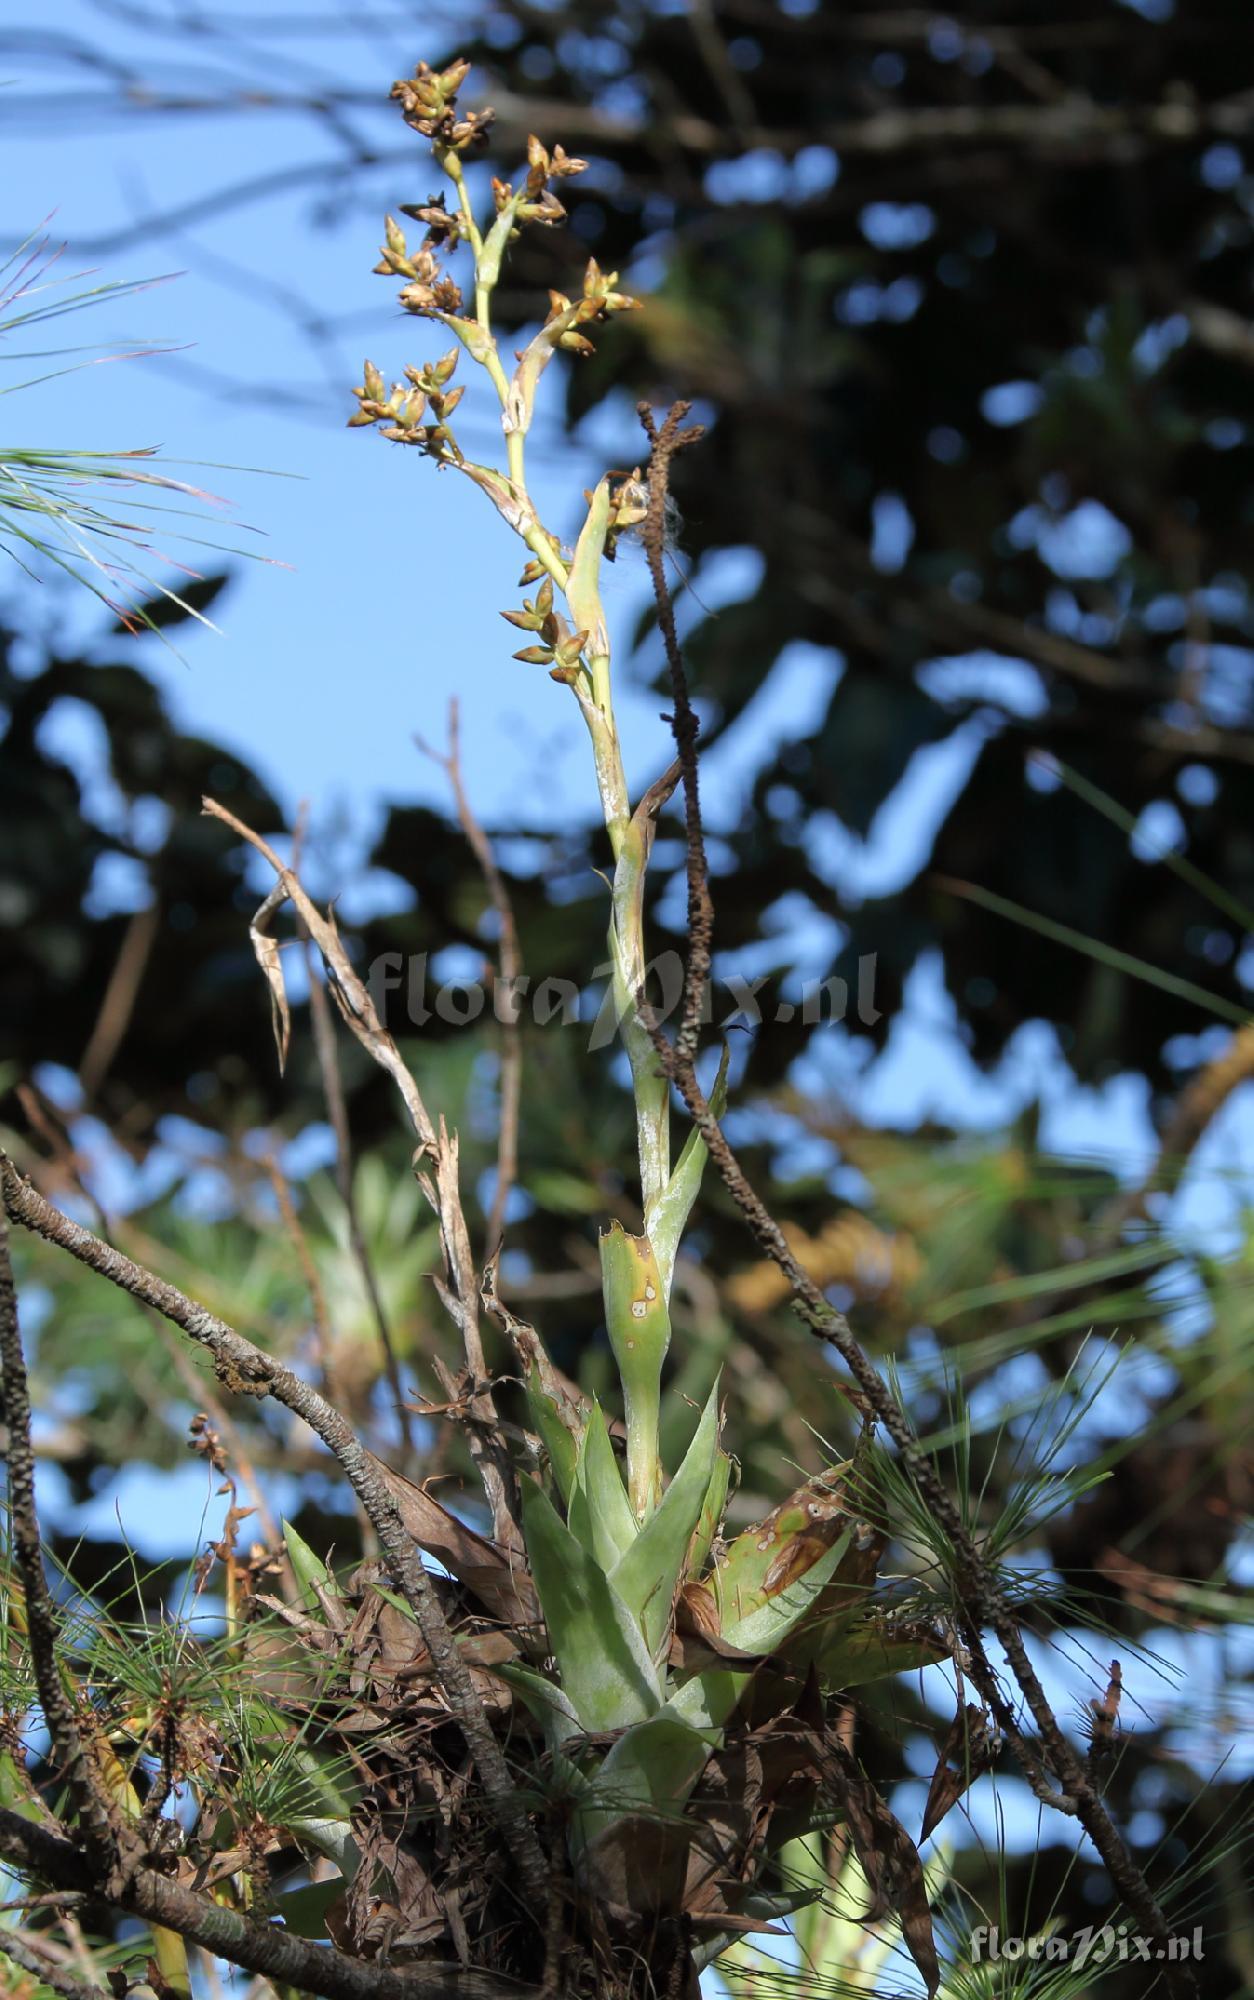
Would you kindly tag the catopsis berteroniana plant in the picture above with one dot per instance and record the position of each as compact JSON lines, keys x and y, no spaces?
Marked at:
{"x":594,"y":1747}
{"x":666,"y":1658}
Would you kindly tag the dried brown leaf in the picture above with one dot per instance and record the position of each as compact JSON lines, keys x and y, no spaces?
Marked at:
{"x":888,"y":1857}
{"x":503,"y":1588}
{"x":266,"y":947}
{"x":967,"y":1752}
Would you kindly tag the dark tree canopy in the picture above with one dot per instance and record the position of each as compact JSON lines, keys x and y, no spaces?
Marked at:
{"x":967,"y":302}
{"x":964,"y":301}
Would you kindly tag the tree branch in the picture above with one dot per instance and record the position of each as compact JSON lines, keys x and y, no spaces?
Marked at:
{"x":323,"y":1025}
{"x":664,"y":443}
{"x":461,"y":1291}
{"x":981,"y":1600}
{"x":1072,"y":125}
{"x":110,"y":1840}
{"x":484,"y":1447}
{"x":271,"y":1950}
{"x":248,"y":1370}
{"x":14,"y":1946}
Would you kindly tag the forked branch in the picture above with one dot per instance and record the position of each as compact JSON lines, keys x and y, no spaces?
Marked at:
{"x":460,"y":1289}
{"x":249,"y":1370}
{"x":109,"y":1838}
{"x":269,"y":1950}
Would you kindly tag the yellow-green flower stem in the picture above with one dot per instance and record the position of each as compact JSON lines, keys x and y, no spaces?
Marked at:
{"x":651,"y":1089}
{"x":580,"y":586}
{"x":544,"y":552}
{"x":487,"y":255}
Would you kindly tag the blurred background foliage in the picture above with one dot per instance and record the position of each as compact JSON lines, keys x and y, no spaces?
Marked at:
{"x":965,"y":301}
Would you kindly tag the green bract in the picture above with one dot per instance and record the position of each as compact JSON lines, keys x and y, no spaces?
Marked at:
{"x":639,"y":1327}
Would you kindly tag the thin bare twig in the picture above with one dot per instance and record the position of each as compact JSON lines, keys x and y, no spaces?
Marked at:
{"x":664,"y":443}
{"x":64,"y":1163}
{"x":67,"y":1984}
{"x":509,"y":962}
{"x":313,"y":1283}
{"x":333,"y":1093}
{"x":247,"y":1370}
{"x":483,"y":1438}
{"x":109,"y":1839}
{"x":337,"y":1111}
{"x":1074,"y":127}
{"x":266,"y":1948}
{"x":459,"y":1291}
{"x":120,"y":996}
{"x":981,"y":1599}
{"x":481,"y":1435}
{"x":223,"y":1421}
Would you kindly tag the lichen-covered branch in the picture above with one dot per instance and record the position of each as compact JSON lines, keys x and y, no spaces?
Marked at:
{"x":982,"y":1601}
{"x":109,"y":1838}
{"x":270,"y":1950}
{"x":248,"y":1370}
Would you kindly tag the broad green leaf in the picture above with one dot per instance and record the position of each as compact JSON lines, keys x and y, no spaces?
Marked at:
{"x":332,"y":1838}
{"x":583,"y":588}
{"x":599,"y":1514}
{"x":711,"y":1516}
{"x":543,"y":1699}
{"x":766,"y":1628}
{"x":856,"y":1653}
{"x":668,"y":1216}
{"x":640,"y":1331}
{"x":771,"y":1553}
{"x":304,"y":1911}
{"x":307,"y":1567}
{"x":397,"y":1602}
{"x":15,"y":1795}
{"x":556,"y":1413}
{"x":568,"y":1194}
{"x":324,"y":1778}
{"x":606,"y":1672}
{"x":651,"y":1769}
{"x":648,"y":1575}
{"x":170,"y":1952}
{"x":555,"y":1437}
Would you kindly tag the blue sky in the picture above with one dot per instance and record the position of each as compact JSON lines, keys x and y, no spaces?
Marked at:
{"x":393,"y":574}
{"x":317,"y":680}
{"x":388,"y":576}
